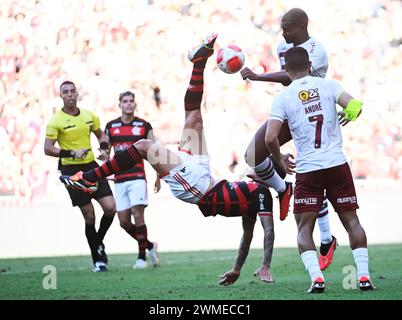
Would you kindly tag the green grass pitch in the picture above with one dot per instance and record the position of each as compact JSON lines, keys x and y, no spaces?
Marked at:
{"x":194,"y":275}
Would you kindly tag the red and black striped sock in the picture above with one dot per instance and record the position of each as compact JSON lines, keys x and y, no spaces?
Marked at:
{"x":132,"y":231}
{"x":195,"y":89}
{"x":142,"y":238}
{"x":120,"y":162}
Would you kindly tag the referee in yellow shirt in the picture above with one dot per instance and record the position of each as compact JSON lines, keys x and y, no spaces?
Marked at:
{"x":71,"y":127}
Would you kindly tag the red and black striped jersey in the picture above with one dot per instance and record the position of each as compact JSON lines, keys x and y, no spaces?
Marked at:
{"x":122,"y":135}
{"x":233,"y":199}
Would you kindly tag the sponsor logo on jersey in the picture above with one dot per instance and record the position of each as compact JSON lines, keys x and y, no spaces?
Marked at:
{"x":114,"y":125}
{"x":310,"y":95}
{"x":261,"y":198}
{"x":138,"y":123}
{"x":121,"y":147}
{"x":306,"y":201}
{"x":346,"y":200}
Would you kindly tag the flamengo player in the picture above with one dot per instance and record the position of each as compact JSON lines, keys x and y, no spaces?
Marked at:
{"x":131,"y":192}
{"x":309,"y":104}
{"x":189,"y":176}
{"x":294,"y":25}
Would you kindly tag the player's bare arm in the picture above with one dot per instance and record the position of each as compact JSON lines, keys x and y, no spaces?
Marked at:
{"x":279,"y":76}
{"x":231,"y":276}
{"x":264,"y":272}
{"x":271,"y":139}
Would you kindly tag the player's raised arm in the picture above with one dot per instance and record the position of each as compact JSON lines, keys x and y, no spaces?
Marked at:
{"x":279,"y":76}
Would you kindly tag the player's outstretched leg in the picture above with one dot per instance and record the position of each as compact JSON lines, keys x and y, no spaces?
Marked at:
{"x":161,"y":159}
{"x":266,"y":169}
{"x":77,"y":181}
{"x":193,"y":139}
{"x":202,"y":52}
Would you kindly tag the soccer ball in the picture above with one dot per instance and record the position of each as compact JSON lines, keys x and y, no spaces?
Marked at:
{"x":230,"y":58}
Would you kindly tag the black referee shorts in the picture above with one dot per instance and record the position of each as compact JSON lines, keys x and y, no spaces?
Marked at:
{"x":78,"y":197}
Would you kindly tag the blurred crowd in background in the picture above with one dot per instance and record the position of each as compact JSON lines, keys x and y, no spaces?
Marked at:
{"x":107,"y":47}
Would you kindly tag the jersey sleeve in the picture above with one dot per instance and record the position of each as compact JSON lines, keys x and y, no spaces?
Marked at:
{"x":336,"y":89}
{"x":107,"y":130}
{"x":319,"y":59}
{"x":52,"y":132}
{"x":280,"y":55}
{"x":148,"y":127}
{"x":278,"y":109}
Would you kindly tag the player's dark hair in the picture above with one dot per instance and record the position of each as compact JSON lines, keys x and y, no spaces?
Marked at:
{"x":126,"y":93}
{"x":296,"y":59}
{"x":66,"y":82}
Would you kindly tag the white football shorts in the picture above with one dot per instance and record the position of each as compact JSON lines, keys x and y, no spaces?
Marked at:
{"x":130,"y":193}
{"x":190,"y":180}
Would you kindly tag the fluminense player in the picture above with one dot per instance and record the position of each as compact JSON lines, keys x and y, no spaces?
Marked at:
{"x":309,"y":105}
{"x":294,"y":26}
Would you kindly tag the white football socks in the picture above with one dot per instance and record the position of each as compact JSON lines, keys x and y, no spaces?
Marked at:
{"x":361,"y":260}
{"x":323,"y":223}
{"x":266,"y":172}
{"x":310,"y":261}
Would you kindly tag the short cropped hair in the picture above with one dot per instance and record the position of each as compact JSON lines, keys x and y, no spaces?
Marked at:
{"x":296,"y":17}
{"x":296,"y":59}
{"x":66,"y":82}
{"x":126,"y":93}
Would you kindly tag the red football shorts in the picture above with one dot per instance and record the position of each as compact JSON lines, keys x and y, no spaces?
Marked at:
{"x":339,"y":186}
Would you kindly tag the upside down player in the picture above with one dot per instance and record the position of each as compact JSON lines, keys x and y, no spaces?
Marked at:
{"x":189,"y":176}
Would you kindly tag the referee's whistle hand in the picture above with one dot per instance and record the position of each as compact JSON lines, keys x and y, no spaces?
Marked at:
{"x":81,"y":153}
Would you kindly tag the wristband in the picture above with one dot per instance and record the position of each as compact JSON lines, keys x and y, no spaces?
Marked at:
{"x":104,"y":146}
{"x":66,"y":154}
{"x":352,"y":110}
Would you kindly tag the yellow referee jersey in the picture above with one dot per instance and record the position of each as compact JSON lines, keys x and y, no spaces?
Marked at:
{"x":73,"y":133}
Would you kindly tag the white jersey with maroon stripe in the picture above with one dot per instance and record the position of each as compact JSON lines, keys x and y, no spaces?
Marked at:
{"x":309,"y":104}
{"x":317,"y":54}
